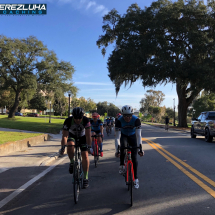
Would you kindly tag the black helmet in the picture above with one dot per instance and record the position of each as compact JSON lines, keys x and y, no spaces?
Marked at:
{"x":78,"y":112}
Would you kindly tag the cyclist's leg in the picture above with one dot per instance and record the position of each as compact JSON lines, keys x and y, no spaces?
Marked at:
{"x":133,"y":142}
{"x":70,"y":150}
{"x":122,"y":151}
{"x":93,"y":139}
{"x":85,"y":163}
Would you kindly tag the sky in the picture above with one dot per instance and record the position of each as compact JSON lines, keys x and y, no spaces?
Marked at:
{"x":71,"y":29}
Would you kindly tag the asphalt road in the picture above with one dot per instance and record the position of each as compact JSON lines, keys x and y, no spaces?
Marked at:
{"x":176,"y":176}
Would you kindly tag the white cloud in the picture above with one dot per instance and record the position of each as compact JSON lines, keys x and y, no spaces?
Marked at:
{"x":91,"y":3}
{"x":99,"y":8}
{"x":87,"y":5}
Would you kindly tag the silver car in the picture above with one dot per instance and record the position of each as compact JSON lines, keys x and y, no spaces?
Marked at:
{"x":204,"y":125}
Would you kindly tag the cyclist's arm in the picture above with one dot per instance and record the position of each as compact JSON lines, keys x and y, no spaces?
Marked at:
{"x":101,"y":129}
{"x":138,"y":136}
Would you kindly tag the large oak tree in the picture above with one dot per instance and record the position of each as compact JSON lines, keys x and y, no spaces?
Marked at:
{"x":168,"y":42}
{"x":27,"y":64}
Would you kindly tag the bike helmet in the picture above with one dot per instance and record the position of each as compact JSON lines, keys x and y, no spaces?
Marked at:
{"x":95,"y":115}
{"x":78,"y":112}
{"x":118,"y":115}
{"x":127,"y":109}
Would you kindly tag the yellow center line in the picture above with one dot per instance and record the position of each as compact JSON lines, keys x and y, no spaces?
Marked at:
{"x":192,"y":177}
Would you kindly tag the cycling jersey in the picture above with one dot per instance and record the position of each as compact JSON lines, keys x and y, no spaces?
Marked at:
{"x":108,"y":122}
{"x":74,"y":129}
{"x":95,"y":126}
{"x":128,"y":128}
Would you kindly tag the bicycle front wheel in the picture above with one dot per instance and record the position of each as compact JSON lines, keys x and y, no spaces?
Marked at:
{"x":76,"y":183}
{"x":95,"y":155}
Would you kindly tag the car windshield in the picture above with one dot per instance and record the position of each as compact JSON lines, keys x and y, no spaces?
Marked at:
{"x":211,"y":115}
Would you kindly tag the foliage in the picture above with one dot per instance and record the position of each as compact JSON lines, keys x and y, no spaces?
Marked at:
{"x":26,"y":65}
{"x":111,"y":109}
{"x":37,"y":102}
{"x":205,"y":103}
{"x":152,"y":98}
{"x":166,"y":42}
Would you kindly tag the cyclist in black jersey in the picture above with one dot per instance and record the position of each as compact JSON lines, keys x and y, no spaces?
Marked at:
{"x":77,"y":124}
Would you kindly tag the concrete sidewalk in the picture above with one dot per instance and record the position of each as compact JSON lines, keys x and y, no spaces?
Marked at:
{"x":39,"y":155}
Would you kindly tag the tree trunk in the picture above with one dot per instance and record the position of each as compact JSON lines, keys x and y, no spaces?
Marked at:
{"x":182,"y":105}
{"x":15,"y":106}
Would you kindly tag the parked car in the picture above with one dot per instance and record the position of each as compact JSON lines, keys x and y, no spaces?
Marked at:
{"x":18,"y":114}
{"x":204,"y":125}
{"x":33,"y":114}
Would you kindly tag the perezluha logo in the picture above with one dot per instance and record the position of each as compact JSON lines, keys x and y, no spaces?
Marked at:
{"x":23,"y":9}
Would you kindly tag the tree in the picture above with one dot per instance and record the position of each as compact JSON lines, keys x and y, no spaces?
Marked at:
{"x":205,"y":103}
{"x":26,"y":64}
{"x":152,"y":98}
{"x":37,"y":102}
{"x":87,"y":104}
{"x":111,"y":109}
{"x":168,"y":42}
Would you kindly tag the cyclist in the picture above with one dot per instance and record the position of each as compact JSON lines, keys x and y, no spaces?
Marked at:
{"x":117,"y":116}
{"x":77,"y":123}
{"x":167,"y":123}
{"x":96,"y":128}
{"x":108,"y":124}
{"x":130,"y":128}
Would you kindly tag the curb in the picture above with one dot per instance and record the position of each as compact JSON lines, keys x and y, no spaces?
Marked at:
{"x":19,"y":145}
{"x":50,"y":159}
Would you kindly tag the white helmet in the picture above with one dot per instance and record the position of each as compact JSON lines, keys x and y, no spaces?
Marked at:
{"x":127,"y":109}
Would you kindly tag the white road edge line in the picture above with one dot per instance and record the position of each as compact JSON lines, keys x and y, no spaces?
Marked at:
{"x":3,"y":169}
{"x":26,"y":185}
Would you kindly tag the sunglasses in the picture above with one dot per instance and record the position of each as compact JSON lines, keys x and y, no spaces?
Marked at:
{"x":127,"y":115}
{"x":80,"y":117}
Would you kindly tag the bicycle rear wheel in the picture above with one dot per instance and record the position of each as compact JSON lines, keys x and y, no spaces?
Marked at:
{"x":76,"y":184}
{"x":95,"y":155}
{"x":131,"y":184}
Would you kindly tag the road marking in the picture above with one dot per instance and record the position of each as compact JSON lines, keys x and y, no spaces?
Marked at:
{"x":27,"y":184}
{"x":3,"y":169}
{"x":195,"y":179}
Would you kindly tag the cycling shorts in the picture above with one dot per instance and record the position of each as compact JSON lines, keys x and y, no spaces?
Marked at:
{"x":82,"y":142}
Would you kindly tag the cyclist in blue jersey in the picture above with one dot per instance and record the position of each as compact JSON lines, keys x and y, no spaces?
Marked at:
{"x":129,"y":126}
{"x":96,"y":128}
{"x":108,"y":124}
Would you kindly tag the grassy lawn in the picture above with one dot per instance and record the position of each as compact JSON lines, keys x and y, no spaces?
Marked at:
{"x":7,"y":136}
{"x":151,"y":123}
{"x":32,"y":124}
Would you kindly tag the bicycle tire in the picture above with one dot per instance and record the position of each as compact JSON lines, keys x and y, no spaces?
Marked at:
{"x":80,"y":175}
{"x":95,"y":155}
{"x":131,"y":184}
{"x":76,"y":186}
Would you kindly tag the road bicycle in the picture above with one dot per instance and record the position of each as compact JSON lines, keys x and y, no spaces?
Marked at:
{"x":129,"y":170}
{"x":96,"y":153}
{"x":77,"y":170}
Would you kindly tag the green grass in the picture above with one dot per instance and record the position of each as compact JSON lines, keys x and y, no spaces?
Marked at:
{"x":151,"y":123}
{"x":7,"y":136}
{"x":32,"y":124}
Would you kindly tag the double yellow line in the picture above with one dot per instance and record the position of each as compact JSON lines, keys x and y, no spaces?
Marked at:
{"x":168,"y":156}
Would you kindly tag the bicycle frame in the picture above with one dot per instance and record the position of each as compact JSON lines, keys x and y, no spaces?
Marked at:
{"x":96,"y":149}
{"x":129,"y":161}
